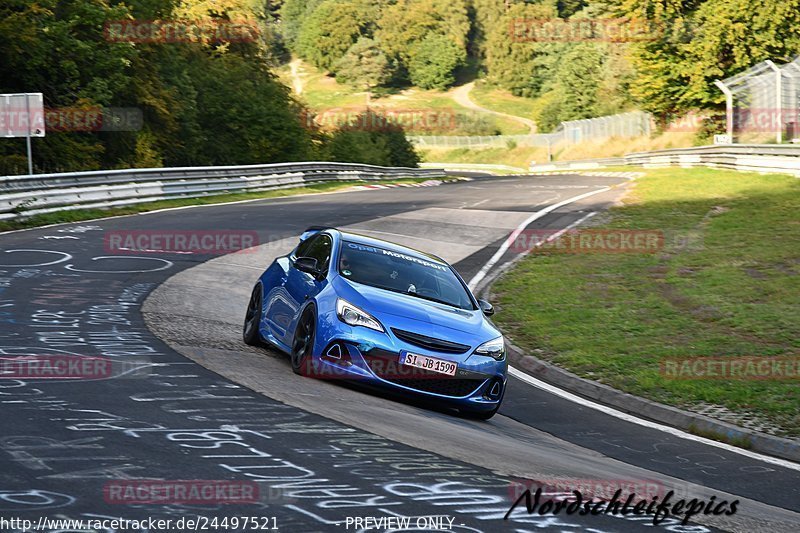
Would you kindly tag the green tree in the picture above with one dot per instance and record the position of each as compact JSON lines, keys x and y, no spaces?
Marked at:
{"x":695,"y":42}
{"x":292,"y":15}
{"x":548,"y":114}
{"x":371,"y":140}
{"x":329,"y":31}
{"x":348,"y":146}
{"x":58,"y":48}
{"x":433,"y":62}
{"x":512,"y":57}
{"x":406,"y":23}
{"x":247,"y":114}
{"x":578,"y":80}
{"x":732,"y":35}
{"x":567,"y":8}
{"x":485,"y":15}
{"x":364,"y":65}
{"x":201,"y":103}
{"x":401,"y":153}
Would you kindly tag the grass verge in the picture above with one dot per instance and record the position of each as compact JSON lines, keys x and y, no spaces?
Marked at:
{"x":79,"y":215}
{"x":503,"y":101}
{"x":726,"y":284}
{"x":521,"y":156}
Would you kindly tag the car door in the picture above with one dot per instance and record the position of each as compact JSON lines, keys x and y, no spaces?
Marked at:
{"x":281,"y":310}
{"x":302,"y":286}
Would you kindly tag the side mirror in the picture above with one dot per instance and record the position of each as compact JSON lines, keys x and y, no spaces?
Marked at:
{"x":486,"y":307}
{"x":307,"y":265}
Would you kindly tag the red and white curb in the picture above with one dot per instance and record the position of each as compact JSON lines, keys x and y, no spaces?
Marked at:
{"x":429,"y":183}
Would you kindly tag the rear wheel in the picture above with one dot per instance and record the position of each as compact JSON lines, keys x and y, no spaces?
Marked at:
{"x":252,"y":319}
{"x":303,"y":343}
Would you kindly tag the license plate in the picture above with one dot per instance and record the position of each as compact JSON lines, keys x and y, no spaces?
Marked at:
{"x":430,"y":363}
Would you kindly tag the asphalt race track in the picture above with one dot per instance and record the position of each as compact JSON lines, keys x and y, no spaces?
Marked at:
{"x":187,"y":400}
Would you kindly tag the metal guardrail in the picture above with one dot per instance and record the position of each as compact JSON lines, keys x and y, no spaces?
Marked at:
{"x":735,"y":149}
{"x":46,"y":193}
{"x":632,"y":124}
{"x":747,"y":157}
{"x":455,"y":167}
{"x":754,"y":158}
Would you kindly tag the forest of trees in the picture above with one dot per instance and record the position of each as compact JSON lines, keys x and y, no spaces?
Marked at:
{"x":218,"y":102}
{"x":208,"y":102}
{"x":667,"y":68}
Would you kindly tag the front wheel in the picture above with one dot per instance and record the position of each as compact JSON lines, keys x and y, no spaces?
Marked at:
{"x":303,"y":343}
{"x":252,"y":319}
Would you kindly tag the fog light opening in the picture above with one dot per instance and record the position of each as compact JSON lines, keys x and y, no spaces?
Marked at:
{"x":334,"y":352}
{"x":338,"y":354}
{"x":494,"y":390}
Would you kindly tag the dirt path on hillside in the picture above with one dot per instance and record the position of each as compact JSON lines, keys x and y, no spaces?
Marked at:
{"x":461,"y":96}
{"x":297,"y":82}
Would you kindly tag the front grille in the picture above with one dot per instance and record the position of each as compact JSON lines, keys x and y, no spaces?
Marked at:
{"x":430,"y":343}
{"x":386,"y":366}
{"x":445,"y":386}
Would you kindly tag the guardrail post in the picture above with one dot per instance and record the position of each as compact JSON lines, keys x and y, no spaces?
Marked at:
{"x":778,"y":101}
{"x":728,"y":107}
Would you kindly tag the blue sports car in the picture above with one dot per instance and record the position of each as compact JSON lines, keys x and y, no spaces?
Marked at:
{"x":346,"y":306}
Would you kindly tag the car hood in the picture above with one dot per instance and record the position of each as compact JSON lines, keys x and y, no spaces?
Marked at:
{"x":419,"y":315}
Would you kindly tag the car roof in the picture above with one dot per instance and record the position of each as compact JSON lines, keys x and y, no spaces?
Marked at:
{"x":387,"y":245}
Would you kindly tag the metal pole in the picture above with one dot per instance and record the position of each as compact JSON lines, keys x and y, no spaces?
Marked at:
{"x":778,"y":100}
{"x":728,"y":107}
{"x":28,"y":135}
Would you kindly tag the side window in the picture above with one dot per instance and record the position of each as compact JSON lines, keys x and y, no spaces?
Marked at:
{"x":319,"y":247}
{"x":302,"y":250}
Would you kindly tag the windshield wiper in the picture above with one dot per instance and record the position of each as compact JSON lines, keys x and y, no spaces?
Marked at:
{"x":432,"y":299}
{"x":417,"y":295}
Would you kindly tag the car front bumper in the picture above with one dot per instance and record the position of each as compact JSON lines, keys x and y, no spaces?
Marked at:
{"x":477,"y":386}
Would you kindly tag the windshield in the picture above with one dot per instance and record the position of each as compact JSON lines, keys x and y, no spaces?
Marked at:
{"x":407,"y":274}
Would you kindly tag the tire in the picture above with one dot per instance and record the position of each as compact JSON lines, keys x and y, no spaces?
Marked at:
{"x":252,"y":319}
{"x":303,"y":342}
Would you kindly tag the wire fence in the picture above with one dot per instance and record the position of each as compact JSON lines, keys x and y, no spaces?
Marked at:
{"x":763,"y":103}
{"x":633,"y":124}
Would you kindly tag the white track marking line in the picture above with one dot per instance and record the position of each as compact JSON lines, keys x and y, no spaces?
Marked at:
{"x":530,"y":380}
{"x":147,"y":250}
{"x":514,"y":234}
{"x":552,"y":237}
{"x":476,"y":204}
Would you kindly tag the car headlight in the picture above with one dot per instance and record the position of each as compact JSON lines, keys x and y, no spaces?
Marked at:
{"x":353,"y":316}
{"x":495,"y":348}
